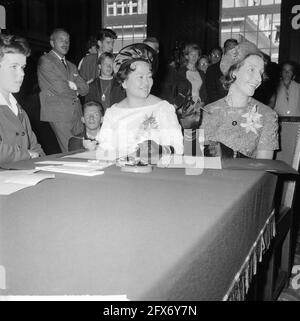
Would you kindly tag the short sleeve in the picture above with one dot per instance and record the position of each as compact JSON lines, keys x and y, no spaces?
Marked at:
{"x":269,"y":136}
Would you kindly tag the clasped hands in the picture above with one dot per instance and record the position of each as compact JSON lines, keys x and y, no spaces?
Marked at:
{"x":90,"y":144}
{"x":149,"y":152}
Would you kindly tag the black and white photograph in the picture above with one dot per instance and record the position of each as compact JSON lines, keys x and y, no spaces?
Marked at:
{"x":149,"y":154}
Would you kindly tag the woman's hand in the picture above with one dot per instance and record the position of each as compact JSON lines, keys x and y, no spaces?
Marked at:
{"x":148,"y":152}
{"x":33,"y":154}
{"x":89,"y":144}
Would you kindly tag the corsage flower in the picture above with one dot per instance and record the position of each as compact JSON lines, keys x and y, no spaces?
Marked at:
{"x":146,"y":127}
{"x":149,"y":123}
{"x":252,"y":120}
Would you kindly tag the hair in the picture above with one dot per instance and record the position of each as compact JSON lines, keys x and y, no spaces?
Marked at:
{"x":217,"y":48}
{"x":204,"y":57}
{"x":228,"y":42}
{"x":106,"y":33}
{"x":191,"y":47}
{"x":105,"y":55}
{"x":13,"y":44}
{"x":93,"y":103}
{"x":229,"y":78}
{"x":127,"y":69}
{"x":56,"y":31}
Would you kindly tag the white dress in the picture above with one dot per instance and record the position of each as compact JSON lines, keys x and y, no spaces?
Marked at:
{"x":124,"y":128}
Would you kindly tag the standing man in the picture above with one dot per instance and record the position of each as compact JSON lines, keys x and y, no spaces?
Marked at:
{"x":17,"y":140}
{"x":60,"y":85}
{"x":89,"y":66}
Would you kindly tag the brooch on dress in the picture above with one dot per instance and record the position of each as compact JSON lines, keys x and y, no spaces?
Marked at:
{"x":149,"y":123}
{"x":252,"y":120}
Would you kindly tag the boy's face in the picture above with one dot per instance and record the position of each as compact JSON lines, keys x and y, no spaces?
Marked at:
{"x":106,"y":45}
{"x":92,"y":117}
{"x":12,"y":72}
{"x":106,"y":67}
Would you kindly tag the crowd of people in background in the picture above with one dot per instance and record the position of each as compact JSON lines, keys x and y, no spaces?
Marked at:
{"x":194,"y":87}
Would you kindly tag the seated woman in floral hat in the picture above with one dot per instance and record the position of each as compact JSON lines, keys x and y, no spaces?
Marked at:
{"x":243,"y":126}
{"x":141,"y":125}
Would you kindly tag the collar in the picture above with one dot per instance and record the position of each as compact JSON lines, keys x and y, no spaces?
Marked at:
{"x":58,"y":56}
{"x":12,"y":105}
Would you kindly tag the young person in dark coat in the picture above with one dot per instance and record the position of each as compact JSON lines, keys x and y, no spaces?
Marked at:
{"x":17,"y":140}
{"x":105,"y":89}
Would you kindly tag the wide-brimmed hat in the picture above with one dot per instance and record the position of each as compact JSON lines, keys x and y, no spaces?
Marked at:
{"x":135,"y":52}
{"x":237,"y":55}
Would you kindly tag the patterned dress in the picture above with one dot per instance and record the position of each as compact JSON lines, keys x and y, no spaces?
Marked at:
{"x":245,"y":130}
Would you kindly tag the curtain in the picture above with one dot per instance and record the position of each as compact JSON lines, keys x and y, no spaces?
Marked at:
{"x":183,"y":21}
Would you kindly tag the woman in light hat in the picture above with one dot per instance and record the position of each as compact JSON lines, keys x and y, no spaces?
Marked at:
{"x":141,"y":125}
{"x":243,"y":126}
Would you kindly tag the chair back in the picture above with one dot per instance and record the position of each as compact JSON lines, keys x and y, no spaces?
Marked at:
{"x":289,"y":152}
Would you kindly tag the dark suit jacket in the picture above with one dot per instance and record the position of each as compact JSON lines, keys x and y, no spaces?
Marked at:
{"x":16,"y":136}
{"x":214,"y":86}
{"x":58,"y":101}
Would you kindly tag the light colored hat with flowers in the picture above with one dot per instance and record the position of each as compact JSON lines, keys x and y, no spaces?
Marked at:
{"x":237,"y":55}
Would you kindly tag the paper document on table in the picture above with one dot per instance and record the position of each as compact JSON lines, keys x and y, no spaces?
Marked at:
{"x":76,"y":168}
{"x":90,"y":164}
{"x":89,"y":154}
{"x":71,"y":170}
{"x":181,"y":161}
{"x":14,"y":180}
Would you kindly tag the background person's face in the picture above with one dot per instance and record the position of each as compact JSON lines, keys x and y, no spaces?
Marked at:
{"x":203,"y":64}
{"x":215,"y":56}
{"x":12,"y":72}
{"x":61,"y":43}
{"x":107,"y":45}
{"x":92,"y":117}
{"x":287,"y":74}
{"x":193,"y":57}
{"x":106,"y":67}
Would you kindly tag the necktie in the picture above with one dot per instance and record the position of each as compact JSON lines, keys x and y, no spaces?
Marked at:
{"x":64,"y":62}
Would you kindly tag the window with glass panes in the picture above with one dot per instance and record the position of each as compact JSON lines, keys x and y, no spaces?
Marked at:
{"x":257,"y":21}
{"x":128,"y":18}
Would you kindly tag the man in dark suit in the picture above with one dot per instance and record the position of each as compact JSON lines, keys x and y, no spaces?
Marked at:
{"x":214,"y":85}
{"x":60,"y":85}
